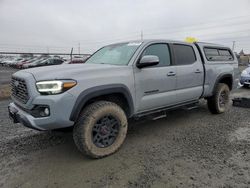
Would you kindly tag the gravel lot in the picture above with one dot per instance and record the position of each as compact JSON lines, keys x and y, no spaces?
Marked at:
{"x":186,"y":149}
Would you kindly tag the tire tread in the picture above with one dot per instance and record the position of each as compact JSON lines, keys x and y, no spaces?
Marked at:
{"x":83,"y":119}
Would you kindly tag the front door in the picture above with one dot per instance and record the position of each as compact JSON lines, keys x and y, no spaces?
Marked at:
{"x":155,"y":86}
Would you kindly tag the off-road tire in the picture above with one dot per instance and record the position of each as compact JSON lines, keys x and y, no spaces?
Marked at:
{"x":82,"y":132}
{"x":213,"y":102}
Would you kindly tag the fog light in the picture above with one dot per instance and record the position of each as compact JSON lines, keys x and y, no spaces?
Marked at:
{"x":40,"y":111}
{"x":46,"y":111}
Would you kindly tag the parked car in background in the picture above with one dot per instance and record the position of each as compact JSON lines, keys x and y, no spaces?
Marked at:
{"x":2,"y":60}
{"x":11,"y":62}
{"x":44,"y":62}
{"x":77,"y":60}
{"x":245,"y":77}
{"x":52,"y":61}
{"x":33,"y":63}
{"x":20,"y":64}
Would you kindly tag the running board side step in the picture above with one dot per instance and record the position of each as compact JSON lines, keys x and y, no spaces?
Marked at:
{"x":187,"y":106}
{"x":160,"y":116}
{"x":191,"y":106}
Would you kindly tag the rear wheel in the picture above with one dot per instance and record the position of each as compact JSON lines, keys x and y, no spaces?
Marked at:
{"x":219,"y":102}
{"x":101,"y":129}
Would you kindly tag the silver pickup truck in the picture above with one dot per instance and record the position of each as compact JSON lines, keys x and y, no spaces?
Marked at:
{"x":121,"y":81}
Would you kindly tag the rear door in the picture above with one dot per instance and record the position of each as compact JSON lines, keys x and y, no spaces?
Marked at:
{"x":155,"y":86}
{"x":189,"y":71}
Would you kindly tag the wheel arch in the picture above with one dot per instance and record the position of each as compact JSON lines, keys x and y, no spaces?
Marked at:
{"x":105,"y":92}
{"x":226,"y":79}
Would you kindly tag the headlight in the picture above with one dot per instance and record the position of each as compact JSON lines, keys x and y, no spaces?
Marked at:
{"x":54,"y":86}
{"x":244,"y":73}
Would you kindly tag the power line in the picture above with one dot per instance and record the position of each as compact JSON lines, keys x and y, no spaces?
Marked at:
{"x":202,"y":23}
{"x":151,"y":34}
{"x":170,"y":30}
{"x":167,"y":32}
{"x":135,"y":34}
{"x":196,"y":28}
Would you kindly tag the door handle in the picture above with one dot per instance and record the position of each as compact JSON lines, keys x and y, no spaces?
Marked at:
{"x":197,"y":71}
{"x":171,"y":73}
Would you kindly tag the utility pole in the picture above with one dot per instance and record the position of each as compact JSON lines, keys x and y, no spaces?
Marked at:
{"x":141,"y":35}
{"x":71,"y":52}
{"x":233,"y":46}
{"x":79,"y":48}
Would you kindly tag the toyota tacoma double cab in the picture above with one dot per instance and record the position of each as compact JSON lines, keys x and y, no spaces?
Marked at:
{"x":118,"y":82}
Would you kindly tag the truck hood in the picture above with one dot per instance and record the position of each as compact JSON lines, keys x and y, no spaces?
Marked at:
{"x":70,"y":71}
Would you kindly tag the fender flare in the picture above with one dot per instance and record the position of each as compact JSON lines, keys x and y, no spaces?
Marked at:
{"x":220,"y":77}
{"x":93,"y":92}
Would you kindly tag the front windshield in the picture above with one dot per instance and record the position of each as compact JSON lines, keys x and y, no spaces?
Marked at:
{"x":115,"y":54}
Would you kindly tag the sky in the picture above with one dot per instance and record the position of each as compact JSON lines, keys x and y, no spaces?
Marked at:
{"x":59,"y":25}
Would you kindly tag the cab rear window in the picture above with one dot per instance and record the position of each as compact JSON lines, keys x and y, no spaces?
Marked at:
{"x":218,"y":54}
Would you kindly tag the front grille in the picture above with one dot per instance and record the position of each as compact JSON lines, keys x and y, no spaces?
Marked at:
{"x":19,"y":90}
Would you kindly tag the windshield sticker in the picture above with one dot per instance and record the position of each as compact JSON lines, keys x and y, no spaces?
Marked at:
{"x":134,"y":44}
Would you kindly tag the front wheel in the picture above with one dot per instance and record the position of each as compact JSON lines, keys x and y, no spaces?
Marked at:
{"x":219,"y":102}
{"x":101,"y":129}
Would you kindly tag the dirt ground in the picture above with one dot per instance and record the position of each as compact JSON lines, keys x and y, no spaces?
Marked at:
{"x":186,"y":149}
{"x":5,"y":77}
{"x":5,"y":74}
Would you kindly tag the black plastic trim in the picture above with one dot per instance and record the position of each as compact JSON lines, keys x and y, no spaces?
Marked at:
{"x":220,"y":77}
{"x":203,"y":66}
{"x":90,"y":93}
{"x":171,"y":107}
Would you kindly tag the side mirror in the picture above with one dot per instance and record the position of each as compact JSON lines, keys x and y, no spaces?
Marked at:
{"x":147,"y":61}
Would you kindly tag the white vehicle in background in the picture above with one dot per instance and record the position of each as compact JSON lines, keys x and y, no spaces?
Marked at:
{"x":2,"y":60}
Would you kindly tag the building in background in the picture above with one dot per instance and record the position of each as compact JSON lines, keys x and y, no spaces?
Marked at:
{"x":244,"y":59}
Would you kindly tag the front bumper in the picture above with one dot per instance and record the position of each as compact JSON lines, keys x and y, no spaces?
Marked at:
{"x":60,"y":110}
{"x":19,"y":116}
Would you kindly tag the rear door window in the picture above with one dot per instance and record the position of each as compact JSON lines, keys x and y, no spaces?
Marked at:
{"x":184,"y":54}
